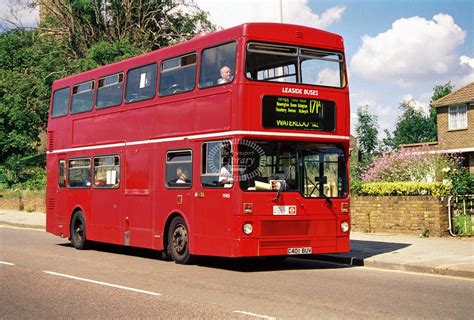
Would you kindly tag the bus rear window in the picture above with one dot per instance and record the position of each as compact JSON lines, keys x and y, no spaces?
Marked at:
{"x":288,"y":64}
{"x":60,"y":102}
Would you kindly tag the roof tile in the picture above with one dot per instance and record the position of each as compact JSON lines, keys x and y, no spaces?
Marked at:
{"x":462,"y":95}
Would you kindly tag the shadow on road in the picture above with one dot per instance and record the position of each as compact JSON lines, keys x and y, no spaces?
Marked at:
{"x":360,"y":250}
{"x":366,"y":249}
{"x":259,"y":264}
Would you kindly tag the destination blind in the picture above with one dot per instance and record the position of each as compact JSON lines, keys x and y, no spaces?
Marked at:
{"x":298,"y":113}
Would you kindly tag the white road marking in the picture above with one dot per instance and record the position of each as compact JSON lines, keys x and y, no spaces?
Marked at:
{"x":254,"y":315}
{"x":102,"y":283}
{"x":7,"y":263}
{"x":20,"y":228}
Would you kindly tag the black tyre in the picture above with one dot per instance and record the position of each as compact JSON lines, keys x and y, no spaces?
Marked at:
{"x":78,"y":231}
{"x":178,"y":241}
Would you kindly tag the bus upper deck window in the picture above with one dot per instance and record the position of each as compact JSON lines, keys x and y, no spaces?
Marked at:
{"x":82,"y":97}
{"x":178,"y":75}
{"x":60,"y":102}
{"x":322,"y":68}
{"x":109,"y":91}
{"x":291,"y":64}
{"x":215,"y":59}
{"x":268,"y":62}
{"x":141,"y":83}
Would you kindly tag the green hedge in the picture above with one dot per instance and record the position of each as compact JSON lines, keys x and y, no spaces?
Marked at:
{"x":399,"y":188}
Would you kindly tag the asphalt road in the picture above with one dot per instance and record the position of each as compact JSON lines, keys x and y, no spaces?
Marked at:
{"x":41,"y":276}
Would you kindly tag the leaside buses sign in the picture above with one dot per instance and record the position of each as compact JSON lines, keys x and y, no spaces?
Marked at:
{"x":298,"y":113}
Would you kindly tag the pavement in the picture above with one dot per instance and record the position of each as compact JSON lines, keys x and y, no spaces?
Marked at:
{"x":449,"y":256}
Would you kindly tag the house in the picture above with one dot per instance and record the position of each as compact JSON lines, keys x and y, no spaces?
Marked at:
{"x":455,"y":118}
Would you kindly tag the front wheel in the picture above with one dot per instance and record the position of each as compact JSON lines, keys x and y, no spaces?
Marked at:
{"x":178,"y":241}
{"x":78,"y":231}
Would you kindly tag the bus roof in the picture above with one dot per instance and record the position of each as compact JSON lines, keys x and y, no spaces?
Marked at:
{"x":269,"y":32}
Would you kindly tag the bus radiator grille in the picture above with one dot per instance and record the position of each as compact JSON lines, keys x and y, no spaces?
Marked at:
{"x":285,"y":228}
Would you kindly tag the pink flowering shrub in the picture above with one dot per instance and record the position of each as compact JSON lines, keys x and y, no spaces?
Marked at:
{"x":414,"y":164}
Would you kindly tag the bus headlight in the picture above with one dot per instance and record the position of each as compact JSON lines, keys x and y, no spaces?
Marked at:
{"x":247,"y":228}
{"x":344,"y":226}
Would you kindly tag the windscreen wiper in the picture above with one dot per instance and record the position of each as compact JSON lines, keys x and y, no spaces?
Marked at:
{"x":321,"y":192}
{"x":283,"y":185}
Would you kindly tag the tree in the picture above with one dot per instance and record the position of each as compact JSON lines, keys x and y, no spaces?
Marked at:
{"x":77,"y":35}
{"x":413,"y":126}
{"x":148,"y":25}
{"x":367,"y":141}
{"x":441,"y":91}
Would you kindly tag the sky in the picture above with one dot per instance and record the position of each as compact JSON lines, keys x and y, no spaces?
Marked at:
{"x":396,"y":50}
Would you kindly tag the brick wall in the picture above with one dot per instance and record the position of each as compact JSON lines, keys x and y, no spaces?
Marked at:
{"x":27,"y":202}
{"x":455,"y":139}
{"x":409,"y":214}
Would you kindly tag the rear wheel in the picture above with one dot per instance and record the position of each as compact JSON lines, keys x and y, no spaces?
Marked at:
{"x":78,"y":231}
{"x":178,"y":241}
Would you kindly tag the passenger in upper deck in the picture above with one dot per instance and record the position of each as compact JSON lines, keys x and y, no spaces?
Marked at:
{"x":225,"y":75}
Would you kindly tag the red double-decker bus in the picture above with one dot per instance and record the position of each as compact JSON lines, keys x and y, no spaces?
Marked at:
{"x":232,"y":144}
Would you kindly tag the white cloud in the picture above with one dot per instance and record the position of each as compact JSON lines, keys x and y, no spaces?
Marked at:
{"x":465,"y":60}
{"x":413,"y":49}
{"x":329,"y":77}
{"x":234,"y":12}
{"x":386,"y":115}
{"x":415,"y":104}
{"x":18,"y":13}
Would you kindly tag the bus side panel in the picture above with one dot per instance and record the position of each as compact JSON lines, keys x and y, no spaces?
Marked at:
{"x":51,"y":196}
{"x":56,"y":199}
{"x":106,"y":205}
{"x":214,"y":111}
{"x":137,"y":217}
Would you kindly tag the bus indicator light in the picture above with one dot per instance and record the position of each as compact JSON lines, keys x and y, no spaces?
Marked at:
{"x":345,"y":207}
{"x":248,"y":208}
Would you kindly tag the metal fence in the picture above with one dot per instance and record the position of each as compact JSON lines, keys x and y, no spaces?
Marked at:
{"x":461,"y":215}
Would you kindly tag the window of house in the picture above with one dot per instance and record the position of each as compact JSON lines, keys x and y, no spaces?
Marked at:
{"x":141,"y":83}
{"x":60,"y":102}
{"x":457,"y":117}
{"x":179,"y":169}
{"x":82,"y":97}
{"x":106,"y":172}
{"x":178,"y":75}
{"x":109,"y":91}
{"x":79,"y":173}
{"x":216,"y":166}
{"x":62,"y":173}
{"x":214,"y":61}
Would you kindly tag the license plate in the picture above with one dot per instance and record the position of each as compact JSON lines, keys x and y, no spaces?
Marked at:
{"x":307,"y":250}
